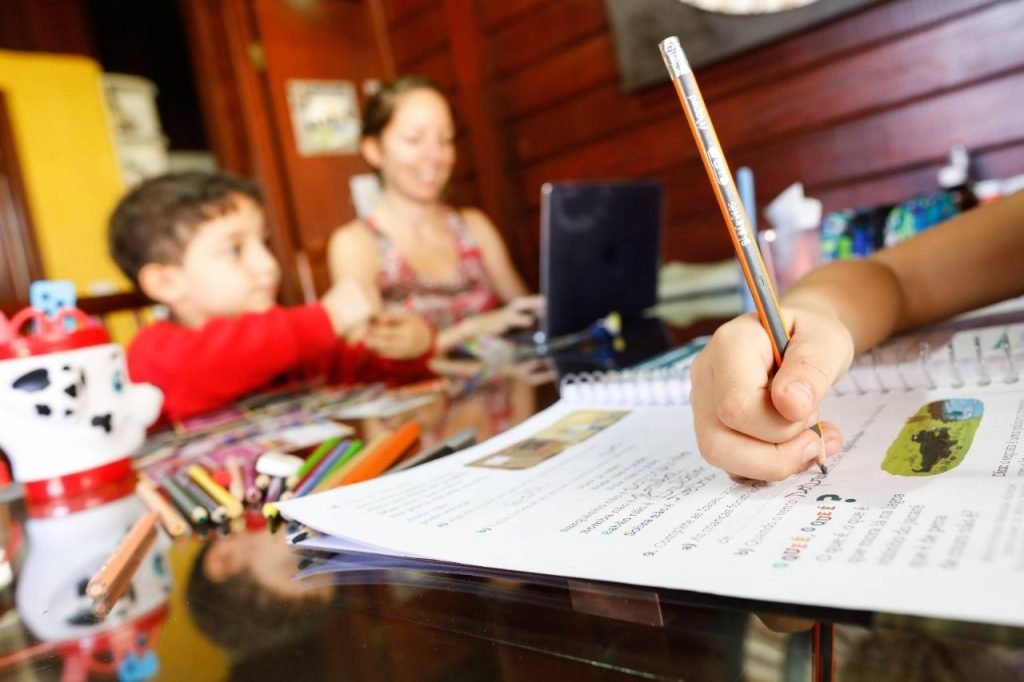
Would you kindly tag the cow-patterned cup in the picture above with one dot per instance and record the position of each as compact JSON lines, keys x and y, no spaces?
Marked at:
{"x":69,"y":416}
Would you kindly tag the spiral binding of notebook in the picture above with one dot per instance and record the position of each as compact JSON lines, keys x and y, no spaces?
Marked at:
{"x":913,"y":362}
{"x":967,"y":359}
{"x":661,"y":386}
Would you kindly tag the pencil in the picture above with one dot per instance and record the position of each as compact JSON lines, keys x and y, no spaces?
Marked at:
{"x":173,"y":522}
{"x":329,"y":466}
{"x":732,"y":208}
{"x":252,"y":492}
{"x":126,"y":556}
{"x":190,"y":507}
{"x":236,"y":482}
{"x":384,"y":456}
{"x":311,"y":461}
{"x":218,"y":514}
{"x":334,"y":478}
{"x":315,"y":474}
{"x":232,"y":505}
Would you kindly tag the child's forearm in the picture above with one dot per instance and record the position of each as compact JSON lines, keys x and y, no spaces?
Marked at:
{"x":865,"y":295}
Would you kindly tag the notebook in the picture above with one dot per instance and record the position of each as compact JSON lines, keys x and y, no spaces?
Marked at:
{"x":925,"y":495}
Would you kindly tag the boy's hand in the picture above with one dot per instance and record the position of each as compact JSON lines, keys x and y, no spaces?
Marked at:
{"x":755,"y":426}
{"x":399,"y":336}
{"x":350,"y":305}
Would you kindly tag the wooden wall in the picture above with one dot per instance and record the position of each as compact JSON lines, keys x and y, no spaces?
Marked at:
{"x":863,"y":110}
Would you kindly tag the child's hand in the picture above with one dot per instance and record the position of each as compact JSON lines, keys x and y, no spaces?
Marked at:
{"x":350,"y":305}
{"x":399,"y":336}
{"x":755,"y":426}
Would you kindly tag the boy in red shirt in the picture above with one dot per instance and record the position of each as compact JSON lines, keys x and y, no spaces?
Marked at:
{"x":195,"y":242}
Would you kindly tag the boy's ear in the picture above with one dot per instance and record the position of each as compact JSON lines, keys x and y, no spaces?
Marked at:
{"x":370,"y":149}
{"x":161,"y":282}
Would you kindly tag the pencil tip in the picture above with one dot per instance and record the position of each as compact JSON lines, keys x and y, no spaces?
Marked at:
{"x":824,"y":469}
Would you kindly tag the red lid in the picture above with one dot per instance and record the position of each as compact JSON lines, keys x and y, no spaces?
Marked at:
{"x":48,"y":334}
{"x":80,"y":490}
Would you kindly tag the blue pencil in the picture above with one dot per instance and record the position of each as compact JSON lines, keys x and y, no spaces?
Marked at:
{"x":322,"y":468}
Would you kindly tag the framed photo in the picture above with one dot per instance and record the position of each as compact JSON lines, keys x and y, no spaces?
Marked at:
{"x":325,"y":117}
{"x":709,"y":30}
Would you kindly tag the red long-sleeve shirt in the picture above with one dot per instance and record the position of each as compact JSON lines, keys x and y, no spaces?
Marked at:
{"x":204,"y":369}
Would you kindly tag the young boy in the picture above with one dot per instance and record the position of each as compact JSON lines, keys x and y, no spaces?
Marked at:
{"x":195,"y":242}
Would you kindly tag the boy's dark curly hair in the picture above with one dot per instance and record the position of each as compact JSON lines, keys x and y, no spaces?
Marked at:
{"x":156,"y":219}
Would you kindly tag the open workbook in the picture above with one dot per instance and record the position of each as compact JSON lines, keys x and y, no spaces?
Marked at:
{"x":922,"y":512}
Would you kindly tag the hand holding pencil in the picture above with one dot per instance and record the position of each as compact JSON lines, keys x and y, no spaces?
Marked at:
{"x":755,"y":411}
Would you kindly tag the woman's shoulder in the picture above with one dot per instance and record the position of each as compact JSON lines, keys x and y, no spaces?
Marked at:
{"x":352,"y":247}
{"x":476,"y":222}
{"x":355,"y":233}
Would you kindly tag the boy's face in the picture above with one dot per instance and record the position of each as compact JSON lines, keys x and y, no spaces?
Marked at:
{"x":226,"y":269}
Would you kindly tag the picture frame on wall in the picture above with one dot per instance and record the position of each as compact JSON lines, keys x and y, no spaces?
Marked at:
{"x":709,"y":30}
{"x":325,"y":117}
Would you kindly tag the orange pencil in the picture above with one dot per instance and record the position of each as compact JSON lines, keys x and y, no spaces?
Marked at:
{"x":125,"y":559}
{"x":735,"y":215}
{"x":336,"y":477}
{"x":173,"y":522}
{"x":377,"y":461}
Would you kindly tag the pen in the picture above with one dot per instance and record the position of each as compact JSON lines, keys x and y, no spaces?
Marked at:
{"x":732,"y":208}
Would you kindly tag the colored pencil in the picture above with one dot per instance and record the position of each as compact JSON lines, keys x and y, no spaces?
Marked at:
{"x":231,"y":504}
{"x":252,"y":492}
{"x":126,"y":556}
{"x":236,"y":483}
{"x":367,"y":467}
{"x":173,"y":522}
{"x":328,"y":465}
{"x":218,"y":514}
{"x":731,"y":206}
{"x":321,"y":451}
{"x":333,"y":478}
{"x":190,"y":507}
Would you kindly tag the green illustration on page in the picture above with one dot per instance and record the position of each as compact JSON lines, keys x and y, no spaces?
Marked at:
{"x":935,"y":439}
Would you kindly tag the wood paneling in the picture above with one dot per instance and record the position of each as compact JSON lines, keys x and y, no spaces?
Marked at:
{"x":331,"y":41}
{"x":45,"y":26}
{"x":863,"y":110}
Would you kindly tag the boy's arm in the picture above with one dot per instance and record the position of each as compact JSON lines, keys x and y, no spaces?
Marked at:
{"x":361,"y":361}
{"x":754,"y":424}
{"x":204,"y":369}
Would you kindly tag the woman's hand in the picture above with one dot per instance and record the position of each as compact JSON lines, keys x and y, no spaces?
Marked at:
{"x":399,"y":336}
{"x":518,"y":313}
{"x":753,"y":424}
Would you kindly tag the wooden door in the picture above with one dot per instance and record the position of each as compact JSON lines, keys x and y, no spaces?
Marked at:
{"x":247,"y":53}
{"x":331,"y":43}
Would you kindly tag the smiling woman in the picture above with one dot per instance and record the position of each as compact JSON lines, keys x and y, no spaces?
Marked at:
{"x":445,"y":263}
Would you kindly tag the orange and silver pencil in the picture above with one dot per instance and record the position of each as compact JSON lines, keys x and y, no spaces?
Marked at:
{"x":729,"y":202}
{"x":125,"y":559}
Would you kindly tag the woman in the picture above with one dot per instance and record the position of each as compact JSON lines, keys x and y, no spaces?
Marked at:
{"x":449,"y":265}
